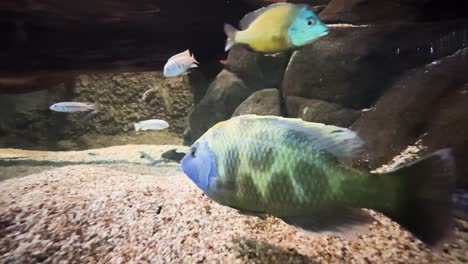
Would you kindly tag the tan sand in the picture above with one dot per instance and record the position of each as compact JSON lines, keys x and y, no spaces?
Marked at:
{"x":19,"y":163}
{"x":99,"y":214}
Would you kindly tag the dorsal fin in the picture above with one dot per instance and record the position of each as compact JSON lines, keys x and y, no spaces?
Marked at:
{"x":182,"y":54}
{"x":250,"y":17}
{"x":338,"y":141}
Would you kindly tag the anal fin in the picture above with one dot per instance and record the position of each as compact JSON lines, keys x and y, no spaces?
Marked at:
{"x":259,"y":215}
{"x":347,"y":223}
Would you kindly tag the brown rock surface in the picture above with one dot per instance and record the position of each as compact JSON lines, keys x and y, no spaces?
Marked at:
{"x":257,"y":70}
{"x":404,"y":112}
{"x":449,"y":128}
{"x":222,"y":98}
{"x":313,"y":110}
{"x":352,"y":66}
{"x":263,"y":102}
{"x":391,"y":11}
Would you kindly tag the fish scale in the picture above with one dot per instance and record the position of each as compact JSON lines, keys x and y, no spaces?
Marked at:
{"x":286,"y":174}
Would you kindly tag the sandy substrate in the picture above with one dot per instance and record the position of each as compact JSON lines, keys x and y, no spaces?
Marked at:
{"x":19,"y":163}
{"x":88,"y":213}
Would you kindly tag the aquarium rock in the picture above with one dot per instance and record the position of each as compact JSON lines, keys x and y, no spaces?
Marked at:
{"x":314,"y":110}
{"x":416,"y":100}
{"x":391,"y":11}
{"x":449,"y":127}
{"x":353,"y":66}
{"x":223,"y":96}
{"x":257,"y":70}
{"x":263,"y":102}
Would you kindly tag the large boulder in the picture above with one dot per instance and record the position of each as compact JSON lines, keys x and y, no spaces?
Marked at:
{"x":352,"y":66}
{"x":403,"y":113}
{"x":369,"y":11}
{"x":200,"y":78}
{"x":449,"y":128}
{"x":263,"y":102}
{"x":385,"y":11}
{"x":314,"y":110}
{"x":222,"y":98}
{"x":198,"y":84}
{"x":255,"y":69}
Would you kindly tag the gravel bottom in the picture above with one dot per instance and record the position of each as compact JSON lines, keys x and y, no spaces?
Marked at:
{"x":127,"y":158}
{"x":91,"y":214}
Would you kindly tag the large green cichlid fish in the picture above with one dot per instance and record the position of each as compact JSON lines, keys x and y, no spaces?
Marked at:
{"x":291,"y":169}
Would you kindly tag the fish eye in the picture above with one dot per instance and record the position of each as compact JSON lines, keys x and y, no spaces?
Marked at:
{"x":310,"y":21}
{"x":193,"y":152}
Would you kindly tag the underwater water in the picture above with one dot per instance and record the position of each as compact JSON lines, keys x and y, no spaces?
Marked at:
{"x":246,"y":132}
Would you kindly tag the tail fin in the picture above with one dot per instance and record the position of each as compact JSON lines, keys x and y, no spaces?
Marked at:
{"x":137,"y":126}
{"x":424,"y":206}
{"x":93,"y":111}
{"x":195,"y":60}
{"x":231,"y":36}
{"x":91,"y":106}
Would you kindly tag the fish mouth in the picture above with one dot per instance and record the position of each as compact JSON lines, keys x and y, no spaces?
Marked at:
{"x":326,"y":32}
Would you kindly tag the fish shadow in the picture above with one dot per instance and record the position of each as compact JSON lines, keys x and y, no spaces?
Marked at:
{"x":255,"y":251}
{"x":33,"y":163}
{"x":20,"y":166}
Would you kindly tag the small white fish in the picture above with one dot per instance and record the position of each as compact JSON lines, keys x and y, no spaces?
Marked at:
{"x":72,"y":107}
{"x":152,"y":124}
{"x":180,"y":64}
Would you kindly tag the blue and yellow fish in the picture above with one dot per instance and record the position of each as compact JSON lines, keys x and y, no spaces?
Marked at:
{"x":276,"y":28}
{"x":293,"y":170}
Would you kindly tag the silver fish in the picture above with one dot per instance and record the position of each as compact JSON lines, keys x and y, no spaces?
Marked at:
{"x":179,"y":64}
{"x":72,"y":107}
